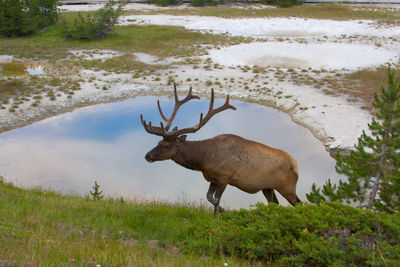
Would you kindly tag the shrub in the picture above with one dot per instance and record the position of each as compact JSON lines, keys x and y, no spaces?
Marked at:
{"x":287,"y":3}
{"x":24,"y":17}
{"x":94,"y":26}
{"x":329,"y":234}
{"x":281,"y":3}
{"x":168,"y":2}
{"x":205,"y":2}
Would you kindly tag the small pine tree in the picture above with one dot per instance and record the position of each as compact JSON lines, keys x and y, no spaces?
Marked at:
{"x":96,"y":193}
{"x":373,"y":168}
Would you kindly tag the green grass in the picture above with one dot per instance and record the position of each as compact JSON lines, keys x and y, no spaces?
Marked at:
{"x":44,"y":228}
{"x":160,"y":41}
{"x":312,"y":11}
{"x":49,"y":229}
{"x":368,"y":82}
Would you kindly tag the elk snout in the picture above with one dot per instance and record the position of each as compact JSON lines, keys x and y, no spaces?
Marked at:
{"x":149,"y":157}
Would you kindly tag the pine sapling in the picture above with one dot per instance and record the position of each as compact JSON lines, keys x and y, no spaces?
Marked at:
{"x":96,"y":193}
{"x":373,"y":167}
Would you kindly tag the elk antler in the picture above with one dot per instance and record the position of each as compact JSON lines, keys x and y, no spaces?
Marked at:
{"x":164,"y":131}
{"x":178,"y":104}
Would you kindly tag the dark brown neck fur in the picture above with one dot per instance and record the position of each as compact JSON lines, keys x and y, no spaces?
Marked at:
{"x":190,"y":155}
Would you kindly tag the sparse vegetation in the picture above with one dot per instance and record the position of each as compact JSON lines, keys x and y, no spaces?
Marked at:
{"x":314,"y":11}
{"x":20,"y":89}
{"x":50,"y":47}
{"x":367,"y":82}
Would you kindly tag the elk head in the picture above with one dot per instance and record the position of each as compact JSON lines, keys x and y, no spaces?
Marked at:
{"x":169,"y":146}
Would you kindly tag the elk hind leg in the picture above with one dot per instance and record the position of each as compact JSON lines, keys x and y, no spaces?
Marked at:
{"x":270,"y":195}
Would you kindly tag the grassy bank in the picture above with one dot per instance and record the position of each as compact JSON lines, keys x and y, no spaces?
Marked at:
{"x":160,"y":41}
{"x":49,"y":229}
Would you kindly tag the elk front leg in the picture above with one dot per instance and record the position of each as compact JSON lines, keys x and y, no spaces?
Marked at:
{"x":217,"y":197}
{"x":214,"y":196}
{"x":270,"y":195}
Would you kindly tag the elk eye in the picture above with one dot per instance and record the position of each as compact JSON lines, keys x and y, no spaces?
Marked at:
{"x":166,"y":146}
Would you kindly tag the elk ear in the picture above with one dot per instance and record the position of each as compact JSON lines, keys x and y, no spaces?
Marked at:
{"x":181,"y":139}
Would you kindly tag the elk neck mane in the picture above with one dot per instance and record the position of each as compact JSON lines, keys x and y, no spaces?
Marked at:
{"x":190,"y":154}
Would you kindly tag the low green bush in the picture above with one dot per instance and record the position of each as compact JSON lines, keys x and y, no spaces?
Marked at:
{"x":287,"y":3}
{"x":168,"y":2}
{"x":25,"y":17}
{"x":282,"y":3}
{"x":305,"y":235}
{"x":329,"y":234}
{"x":94,"y":26}
{"x":206,"y":2}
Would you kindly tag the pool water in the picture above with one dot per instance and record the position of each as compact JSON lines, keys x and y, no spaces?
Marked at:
{"x":107,"y":143}
{"x":20,"y":69}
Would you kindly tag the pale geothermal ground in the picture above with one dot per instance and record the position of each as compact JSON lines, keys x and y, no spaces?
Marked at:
{"x":280,"y":45}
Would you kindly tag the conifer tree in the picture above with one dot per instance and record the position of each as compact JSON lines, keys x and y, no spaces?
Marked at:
{"x":373,"y":167}
{"x":24,"y":17}
{"x":96,"y":193}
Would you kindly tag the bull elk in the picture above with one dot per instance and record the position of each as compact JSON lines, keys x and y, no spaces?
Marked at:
{"x":225,"y":159}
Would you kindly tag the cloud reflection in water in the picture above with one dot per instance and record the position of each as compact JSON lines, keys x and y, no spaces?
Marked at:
{"x":107,"y":143}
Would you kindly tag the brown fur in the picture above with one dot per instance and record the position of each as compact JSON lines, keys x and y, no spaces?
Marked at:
{"x":230,"y":159}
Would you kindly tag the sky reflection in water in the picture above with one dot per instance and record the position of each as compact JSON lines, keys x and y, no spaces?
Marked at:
{"x":107,"y":143}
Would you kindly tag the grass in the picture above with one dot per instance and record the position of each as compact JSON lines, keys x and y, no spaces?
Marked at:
{"x":368,"y":82}
{"x":13,"y":87}
{"x":311,"y":11}
{"x":18,"y":90}
{"x":44,"y":228}
{"x":162,"y":41}
{"x":361,"y":84}
{"x":121,"y":64}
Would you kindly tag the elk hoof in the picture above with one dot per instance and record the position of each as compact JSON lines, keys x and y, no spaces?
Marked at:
{"x":218,"y":210}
